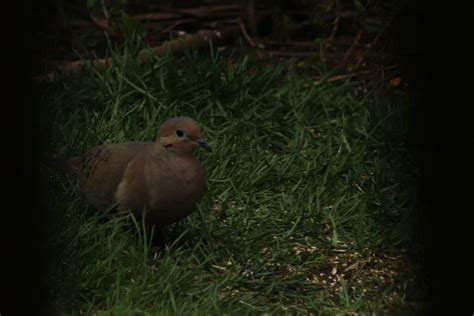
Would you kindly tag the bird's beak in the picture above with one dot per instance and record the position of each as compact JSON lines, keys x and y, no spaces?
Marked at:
{"x":203,"y":144}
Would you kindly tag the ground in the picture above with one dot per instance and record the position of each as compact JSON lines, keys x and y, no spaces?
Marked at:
{"x":311,"y":189}
{"x":308,"y":196}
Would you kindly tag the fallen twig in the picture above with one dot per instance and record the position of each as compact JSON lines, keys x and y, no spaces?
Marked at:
{"x":290,"y":53}
{"x":104,"y":23}
{"x":157,"y":16}
{"x":319,"y":79}
{"x":160,"y":16}
{"x":178,"y":46}
{"x":100,"y":23}
{"x":309,"y":44}
{"x":173,"y":47}
{"x":351,"y":49}
{"x":337,"y":4}
{"x":252,"y":17}
{"x":246,"y":35}
{"x":177,"y":23}
{"x":169,"y":13}
{"x":104,"y":10}
{"x":197,"y":12}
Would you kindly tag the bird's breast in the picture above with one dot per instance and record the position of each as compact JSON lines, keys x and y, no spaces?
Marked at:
{"x":168,"y":187}
{"x":175,"y":189}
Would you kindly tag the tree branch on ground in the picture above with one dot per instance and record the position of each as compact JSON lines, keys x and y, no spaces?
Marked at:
{"x":174,"y":47}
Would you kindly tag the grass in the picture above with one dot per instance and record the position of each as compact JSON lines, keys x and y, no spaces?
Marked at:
{"x":306,"y":208}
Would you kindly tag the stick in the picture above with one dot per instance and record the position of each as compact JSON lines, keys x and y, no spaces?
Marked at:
{"x":291,"y":43}
{"x":199,"y":12}
{"x":102,"y":24}
{"x":349,"y":51}
{"x":104,"y":10}
{"x":337,"y":4}
{"x":175,"y":24}
{"x":246,"y":35}
{"x":346,"y":76}
{"x":251,"y":8}
{"x":174,"y":47}
{"x":173,"y":14}
{"x":177,"y":46}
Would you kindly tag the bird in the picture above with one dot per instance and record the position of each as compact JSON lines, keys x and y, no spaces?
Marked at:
{"x":161,"y":180}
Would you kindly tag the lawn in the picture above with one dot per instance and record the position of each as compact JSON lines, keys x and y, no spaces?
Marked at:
{"x":309,"y":198}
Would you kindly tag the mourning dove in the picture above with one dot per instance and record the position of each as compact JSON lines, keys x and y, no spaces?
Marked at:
{"x":162,"y":178}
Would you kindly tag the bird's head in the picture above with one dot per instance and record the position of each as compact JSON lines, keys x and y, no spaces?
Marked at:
{"x":181,"y":134}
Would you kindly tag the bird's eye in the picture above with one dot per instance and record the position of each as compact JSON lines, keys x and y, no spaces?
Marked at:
{"x":179,"y":133}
